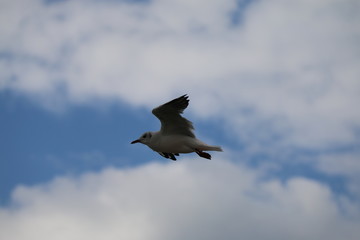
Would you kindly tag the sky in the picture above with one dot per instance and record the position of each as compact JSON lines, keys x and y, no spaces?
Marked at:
{"x":276,"y":83}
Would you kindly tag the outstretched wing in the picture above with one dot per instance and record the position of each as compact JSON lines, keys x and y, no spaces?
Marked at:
{"x":172,"y":123}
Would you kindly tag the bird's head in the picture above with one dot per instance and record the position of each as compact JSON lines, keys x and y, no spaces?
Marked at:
{"x":144,"y":139}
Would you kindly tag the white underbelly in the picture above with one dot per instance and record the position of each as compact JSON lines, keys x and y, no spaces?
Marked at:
{"x":174,"y":144}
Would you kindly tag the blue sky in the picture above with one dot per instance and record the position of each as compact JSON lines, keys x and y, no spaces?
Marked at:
{"x":275,"y":84}
{"x":48,"y":144}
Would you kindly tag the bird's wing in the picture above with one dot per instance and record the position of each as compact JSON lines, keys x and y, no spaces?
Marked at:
{"x":172,"y":123}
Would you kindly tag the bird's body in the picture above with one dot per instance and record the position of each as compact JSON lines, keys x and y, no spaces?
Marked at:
{"x":177,"y":144}
{"x":176,"y":134}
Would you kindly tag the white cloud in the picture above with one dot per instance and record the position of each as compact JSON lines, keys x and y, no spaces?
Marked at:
{"x":182,"y":200}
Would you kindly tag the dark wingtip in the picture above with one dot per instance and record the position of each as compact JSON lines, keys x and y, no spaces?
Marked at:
{"x":184,"y":96}
{"x":180,"y":103}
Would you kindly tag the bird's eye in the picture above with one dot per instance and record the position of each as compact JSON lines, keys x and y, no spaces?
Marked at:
{"x":144,"y":136}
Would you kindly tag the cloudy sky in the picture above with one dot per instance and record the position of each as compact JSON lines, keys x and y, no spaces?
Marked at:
{"x":276,"y":83}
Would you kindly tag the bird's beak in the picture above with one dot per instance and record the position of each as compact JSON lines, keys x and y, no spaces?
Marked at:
{"x":136,"y":141}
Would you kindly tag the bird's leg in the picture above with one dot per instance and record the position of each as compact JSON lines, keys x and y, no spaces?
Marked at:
{"x":168,"y":155}
{"x":165,"y":155}
{"x":172,"y":157}
{"x":203,"y":154}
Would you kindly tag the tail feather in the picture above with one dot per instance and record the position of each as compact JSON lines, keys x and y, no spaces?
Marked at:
{"x":211,"y":148}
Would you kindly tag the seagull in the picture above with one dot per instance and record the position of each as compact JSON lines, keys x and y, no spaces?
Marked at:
{"x":176,"y":134}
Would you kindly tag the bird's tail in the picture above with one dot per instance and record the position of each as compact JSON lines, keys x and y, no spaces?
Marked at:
{"x":206,"y":147}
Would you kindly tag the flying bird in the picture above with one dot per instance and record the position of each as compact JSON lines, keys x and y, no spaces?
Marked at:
{"x":176,"y":134}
